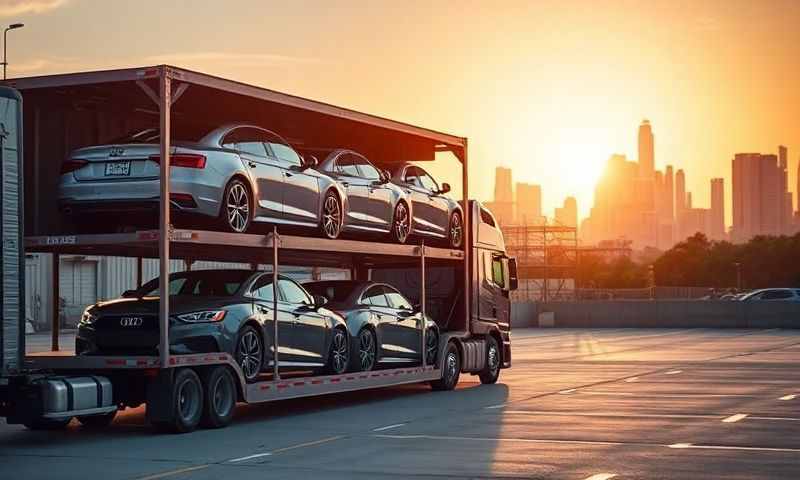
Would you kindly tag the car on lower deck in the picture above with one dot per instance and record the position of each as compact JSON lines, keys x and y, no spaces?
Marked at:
{"x":385,"y":328}
{"x":435,"y":215}
{"x":228,"y":311}
{"x":234,"y":175}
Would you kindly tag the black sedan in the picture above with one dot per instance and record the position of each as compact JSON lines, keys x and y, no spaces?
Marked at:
{"x":384,"y":327}
{"x":221,"y":311}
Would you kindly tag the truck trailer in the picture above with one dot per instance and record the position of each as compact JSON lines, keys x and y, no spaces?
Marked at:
{"x":467,"y":289}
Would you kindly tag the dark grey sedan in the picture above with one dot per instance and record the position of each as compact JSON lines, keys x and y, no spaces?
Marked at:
{"x":221,"y":311}
{"x":384,"y":327}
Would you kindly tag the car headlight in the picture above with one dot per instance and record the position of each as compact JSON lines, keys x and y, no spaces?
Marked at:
{"x":88,"y":318}
{"x":204,"y":316}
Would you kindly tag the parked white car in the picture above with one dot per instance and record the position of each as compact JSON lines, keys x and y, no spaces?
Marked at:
{"x":772,"y":294}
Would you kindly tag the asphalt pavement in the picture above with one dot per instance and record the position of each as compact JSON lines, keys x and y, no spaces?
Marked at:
{"x":577,"y":404}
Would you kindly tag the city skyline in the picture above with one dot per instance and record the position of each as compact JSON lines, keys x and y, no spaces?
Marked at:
{"x":570,"y":101}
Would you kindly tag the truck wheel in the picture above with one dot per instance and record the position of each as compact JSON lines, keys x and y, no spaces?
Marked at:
{"x":220,"y":397}
{"x":48,"y":423}
{"x":187,"y":403}
{"x":98,"y":421}
{"x":451,"y":369}
{"x":491,"y":372}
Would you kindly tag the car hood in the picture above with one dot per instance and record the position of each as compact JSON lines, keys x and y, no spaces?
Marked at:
{"x":178,"y":304}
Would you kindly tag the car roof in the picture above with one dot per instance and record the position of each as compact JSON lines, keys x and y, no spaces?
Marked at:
{"x":358,"y":286}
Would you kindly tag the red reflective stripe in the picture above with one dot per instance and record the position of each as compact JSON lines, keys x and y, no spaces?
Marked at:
{"x":299,"y":384}
{"x":316,"y":382}
{"x":335,"y":380}
{"x":264,"y":387}
{"x":283,"y":385}
{"x":115,"y":362}
{"x":351,"y":378}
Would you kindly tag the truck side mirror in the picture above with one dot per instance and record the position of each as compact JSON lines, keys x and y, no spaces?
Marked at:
{"x":513,"y":280}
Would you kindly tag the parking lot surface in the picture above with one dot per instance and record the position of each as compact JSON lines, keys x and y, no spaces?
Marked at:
{"x":577,"y":404}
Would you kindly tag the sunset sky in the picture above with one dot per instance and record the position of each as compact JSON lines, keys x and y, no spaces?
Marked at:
{"x":550,"y":89}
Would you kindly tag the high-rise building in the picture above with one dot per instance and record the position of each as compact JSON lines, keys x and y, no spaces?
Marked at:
{"x":786,"y":201}
{"x":669,"y":194}
{"x":717,"y":215}
{"x":529,"y":204}
{"x":503,"y":205}
{"x":758,"y":197}
{"x":797,"y":190}
{"x":680,"y":193}
{"x":567,"y":215}
{"x":647,"y":163}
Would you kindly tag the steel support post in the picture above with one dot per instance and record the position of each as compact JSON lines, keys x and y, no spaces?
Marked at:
{"x":276,"y":374}
{"x":165,"y":105}
{"x":466,"y":235}
{"x":56,"y":302}
{"x":422,"y":301}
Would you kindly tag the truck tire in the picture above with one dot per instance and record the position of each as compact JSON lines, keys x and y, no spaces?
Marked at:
{"x":98,"y":421}
{"x":219,"y":400}
{"x":491,"y":372}
{"x":451,"y":369}
{"x":47,"y":423}
{"x":187,"y":403}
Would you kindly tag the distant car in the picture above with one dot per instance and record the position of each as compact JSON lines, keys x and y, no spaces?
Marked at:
{"x":237,"y":174}
{"x":435,"y":215}
{"x":772,"y":294}
{"x":221,"y":311}
{"x":373,"y":203}
{"x":384,"y":327}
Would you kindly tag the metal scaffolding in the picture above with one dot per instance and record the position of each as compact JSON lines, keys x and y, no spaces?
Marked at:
{"x":547,"y":260}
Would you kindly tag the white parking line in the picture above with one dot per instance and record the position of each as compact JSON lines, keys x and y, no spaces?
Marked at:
{"x":788,"y":397}
{"x":285,"y":449}
{"x":674,"y":372}
{"x":173,"y":472}
{"x":609,"y":414}
{"x":632,"y":379}
{"x":566,"y":392}
{"x":250,"y":457}
{"x":731,"y":447}
{"x":734,"y":418}
{"x":492,"y":407}
{"x":388,"y":427}
{"x":601,"y":476}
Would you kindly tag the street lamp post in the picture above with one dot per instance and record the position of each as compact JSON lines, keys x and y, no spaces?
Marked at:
{"x":13,"y":26}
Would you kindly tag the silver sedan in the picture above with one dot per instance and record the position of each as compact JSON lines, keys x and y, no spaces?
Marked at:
{"x":236,"y":174}
{"x":373,"y":204}
{"x":435,"y":215}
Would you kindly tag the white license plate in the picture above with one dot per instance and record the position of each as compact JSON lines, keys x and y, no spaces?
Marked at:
{"x":118,"y":169}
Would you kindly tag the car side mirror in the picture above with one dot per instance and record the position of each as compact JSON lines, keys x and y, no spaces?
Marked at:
{"x":445,"y":188}
{"x":129,"y":294}
{"x":387,"y":175}
{"x":319,"y":301}
{"x":310,"y":161}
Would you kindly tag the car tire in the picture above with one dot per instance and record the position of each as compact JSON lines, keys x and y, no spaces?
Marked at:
{"x":455,"y":231}
{"x":332,"y":216}
{"x":339,"y":354}
{"x":451,"y":369}
{"x":491,"y":372}
{"x":47,"y":423}
{"x":401,"y":223}
{"x":431,"y":347}
{"x":219,"y":401}
{"x":236,"y":208}
{"x":187,"y":403}
{"x":248,"y":352}
{"x":97,"y":421}
{"x":366,"y":348}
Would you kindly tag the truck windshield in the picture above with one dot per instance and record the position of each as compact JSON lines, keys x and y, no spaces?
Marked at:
{"x":202,"y":283}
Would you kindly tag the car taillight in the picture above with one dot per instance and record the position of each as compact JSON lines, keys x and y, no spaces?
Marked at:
{"x":187,"y":160}
{"x":72,"y":164}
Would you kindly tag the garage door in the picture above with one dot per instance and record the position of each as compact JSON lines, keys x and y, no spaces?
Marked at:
{"x":78,"y":288}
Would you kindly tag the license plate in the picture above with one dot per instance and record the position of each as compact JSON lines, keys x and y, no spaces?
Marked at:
{"x":118,"y":169}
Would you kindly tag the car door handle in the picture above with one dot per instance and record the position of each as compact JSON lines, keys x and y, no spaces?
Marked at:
{"x":288,"y":174}
{"x":262,"y":309}
{"x":252,"y":164}
{"x":345,"y":184}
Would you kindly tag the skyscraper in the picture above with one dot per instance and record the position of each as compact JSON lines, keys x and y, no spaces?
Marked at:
{"x":503,"y":205}
{"x":529,"y":204}
{"x":647,"y":163}
{"x":680,"y":194}
{"x":786,"y":201}
{"x":567,"y":215}
{"x":758,"y":199}
{"x":717,"y":220}
{"x":669,"y":193}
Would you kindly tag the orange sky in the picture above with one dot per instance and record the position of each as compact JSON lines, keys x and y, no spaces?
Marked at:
{"x":550,"y":89}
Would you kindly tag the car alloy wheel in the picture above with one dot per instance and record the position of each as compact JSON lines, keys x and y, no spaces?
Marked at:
{"x":237,"y":207}
{"x":340,"y":352}
{"x":367,"y":348}
{"x":431,"y":347}
{"x":331,"y":216}
{"x":456,"y":230}
{"x":401,"y":225}
{"x":249,"y":353}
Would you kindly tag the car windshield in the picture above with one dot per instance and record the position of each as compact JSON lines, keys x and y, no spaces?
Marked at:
{"x":201,"y":283}
{"x":333,"y":291}
{"x":185,"y":133}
